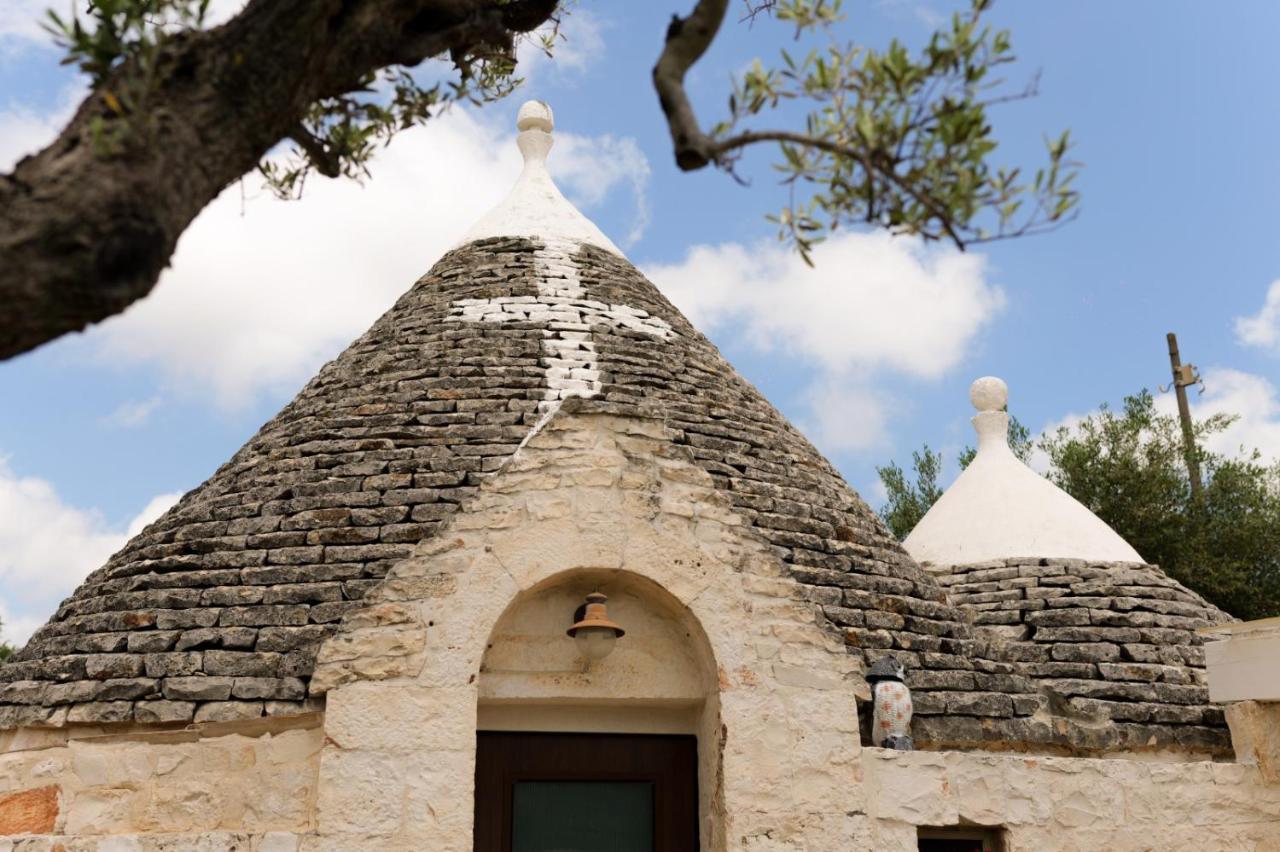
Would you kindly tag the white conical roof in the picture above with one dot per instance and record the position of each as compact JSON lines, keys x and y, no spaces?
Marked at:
{"x":535,"y":207}
{"x":1000,"y":508}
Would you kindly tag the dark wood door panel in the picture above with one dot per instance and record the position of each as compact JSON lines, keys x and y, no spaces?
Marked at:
{"x":669,"y":763}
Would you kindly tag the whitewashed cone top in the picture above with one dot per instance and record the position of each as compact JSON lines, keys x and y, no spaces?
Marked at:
{"x":535,"y":207}
{"x":1000,"y":508}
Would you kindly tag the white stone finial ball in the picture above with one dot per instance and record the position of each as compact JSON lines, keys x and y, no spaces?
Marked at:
{"x":535,"y":115}
{"x":989,"y":394}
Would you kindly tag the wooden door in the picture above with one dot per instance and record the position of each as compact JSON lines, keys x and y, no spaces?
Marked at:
{"x":543,"y":792}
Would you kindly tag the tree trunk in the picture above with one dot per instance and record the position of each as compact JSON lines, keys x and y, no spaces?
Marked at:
{"x":85,"y":232}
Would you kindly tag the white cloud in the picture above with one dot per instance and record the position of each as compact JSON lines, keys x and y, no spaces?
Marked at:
{"x":261,"y":292}
{"x":873,"y":304}
{"x":25,"y":131}
{"x":848,"y":415}
{"x":580,"y":45}
{"x":1254,"y":398}
{"x":131,"y":413}
{"x":221,"y":11}
{"x":155,"y":507}
{"x":871,"y":300}
{"x":22,"y":19}
{"x":47,"y":547}
{"x":1263,"y":329}
{"x":590,"y":168}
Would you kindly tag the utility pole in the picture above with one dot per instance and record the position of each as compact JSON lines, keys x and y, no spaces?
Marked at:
{"x":1184,"y":375}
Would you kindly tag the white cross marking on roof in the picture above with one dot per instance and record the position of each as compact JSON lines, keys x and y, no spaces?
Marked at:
{"x":572,"y":368}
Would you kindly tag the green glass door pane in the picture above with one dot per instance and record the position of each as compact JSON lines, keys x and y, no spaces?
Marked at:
{"x":582,"y":816}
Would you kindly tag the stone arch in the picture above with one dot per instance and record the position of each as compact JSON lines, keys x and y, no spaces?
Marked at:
{"x":662,"y":677}
{"x":589,"y":496}
{"x":663,"y":666}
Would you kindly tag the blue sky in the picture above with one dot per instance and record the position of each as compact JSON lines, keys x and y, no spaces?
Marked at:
{"x":1172,"y":105}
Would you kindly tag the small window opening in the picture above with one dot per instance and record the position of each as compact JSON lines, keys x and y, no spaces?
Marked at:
{"x":960,"y":839}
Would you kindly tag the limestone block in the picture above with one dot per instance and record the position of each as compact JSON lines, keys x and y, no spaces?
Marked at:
{"x":163,"y":711}
{"x":277,"y":841}
{"x":439,"y":803}
{"x":108,"y":765}
{"x":280,"y":796}
{"x":228,"y":711}
{"x":385,"y":641}
{"x":360,"y":793}
{"x":29,"y":811}
{"x":100,"y":810}
{"x":401,"y":718}
{"x":187,"y":805}
{"x":921,"y":794}
{"x":120,"y":844}
{"x":299,"y":746}
{"x":1255,"y":735}
{"x":549,"y":547}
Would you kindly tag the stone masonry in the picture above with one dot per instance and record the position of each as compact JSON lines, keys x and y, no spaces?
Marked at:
{"x":215,"y":611}
{"x":1106,"y":642}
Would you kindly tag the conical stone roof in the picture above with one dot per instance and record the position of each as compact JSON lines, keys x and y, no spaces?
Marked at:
{"x":215,"y":611}
{"x":1106,"y":636}
{"x":999,"y":508}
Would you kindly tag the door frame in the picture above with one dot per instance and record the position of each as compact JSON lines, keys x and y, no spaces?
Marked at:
{"x":668,"y":761}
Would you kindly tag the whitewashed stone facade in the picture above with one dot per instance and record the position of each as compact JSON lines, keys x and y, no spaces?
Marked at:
{"x":468,"y":631}
{"x":300,"y":655}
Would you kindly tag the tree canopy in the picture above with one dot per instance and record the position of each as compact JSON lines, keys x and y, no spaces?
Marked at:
{"x":178,"y":110}
{"x":1129,"y":468}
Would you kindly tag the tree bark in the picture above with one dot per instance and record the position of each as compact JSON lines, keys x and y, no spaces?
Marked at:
{"x":687,"y":39}
{"x":84,"y":234}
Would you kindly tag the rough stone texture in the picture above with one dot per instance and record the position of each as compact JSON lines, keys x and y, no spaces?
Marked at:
{"x":1106,"y":642}
{"x":590,"y":499}
{"x":1071,"y":804}
{"x":179,"y":790}
{"x":1255,"y":733}
{"x":240,"y":582}
{"x":31,"y":811}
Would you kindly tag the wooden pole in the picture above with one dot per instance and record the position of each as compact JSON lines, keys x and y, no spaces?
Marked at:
{"x":1182,"y":378}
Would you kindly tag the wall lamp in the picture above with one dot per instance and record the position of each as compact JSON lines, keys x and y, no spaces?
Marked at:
{"x":593,"y":632}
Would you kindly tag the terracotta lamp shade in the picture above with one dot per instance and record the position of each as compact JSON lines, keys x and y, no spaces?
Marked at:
{"x":595,"y":635}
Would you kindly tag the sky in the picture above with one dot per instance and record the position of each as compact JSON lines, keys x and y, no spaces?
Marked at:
{"x":870,"y":353}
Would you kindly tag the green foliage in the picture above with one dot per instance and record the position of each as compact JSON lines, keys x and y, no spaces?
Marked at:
{"x":890,"y":138}
{"x":895,"y":140}
{"x":118,"y":31}
{"x":6,"y":651}
{"x":339,"y":135}
{"x":114,"y":34}
{"x":1129,"y":468}
{"x":908,"y":501}
{"x":120,"y":45}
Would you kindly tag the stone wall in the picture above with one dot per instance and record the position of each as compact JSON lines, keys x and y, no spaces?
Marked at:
{"x":248,"y":787}
{"x":1111,"y":645}
{"x":766,"y":683}
{"x":610,"y":497}
{"x":1071,"y":804}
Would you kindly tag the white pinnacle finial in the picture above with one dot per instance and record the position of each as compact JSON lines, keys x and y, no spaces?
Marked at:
{"x":989,"y":394}
{"x":535,"y":115}
{"x":999,"y":508}
{"x":535,"y":123}
{"x":535,"y":207}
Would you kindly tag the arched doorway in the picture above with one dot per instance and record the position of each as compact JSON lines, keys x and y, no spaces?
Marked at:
{"x":599,"y":756}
